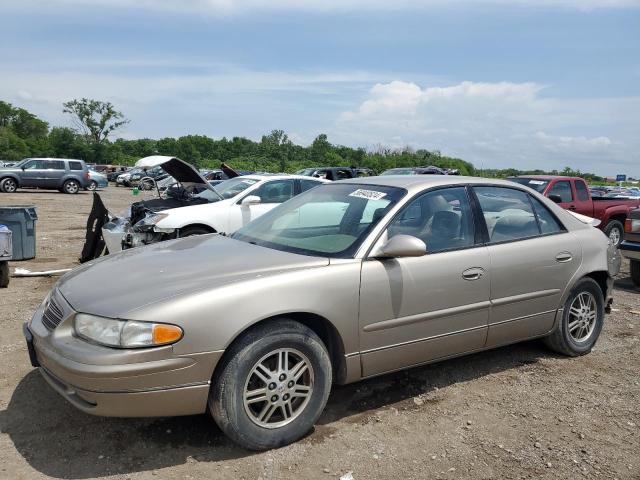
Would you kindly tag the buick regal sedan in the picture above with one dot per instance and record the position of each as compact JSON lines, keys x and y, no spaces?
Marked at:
{"x":346,"y":281}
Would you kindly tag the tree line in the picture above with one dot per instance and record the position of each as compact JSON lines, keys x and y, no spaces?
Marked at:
{"x":23,"y":134}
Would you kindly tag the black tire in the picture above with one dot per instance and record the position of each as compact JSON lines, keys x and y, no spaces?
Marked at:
{"x":71,"y":187}
{"x":635,"y":272}
{"x":614,"y":225}
{"x":191,"y":231}
{"x":561,"y":340}
{"x":93,"y":186}
{"x":226,"y":395}
{"x":4,"y":274}
{"x":8,"y":185}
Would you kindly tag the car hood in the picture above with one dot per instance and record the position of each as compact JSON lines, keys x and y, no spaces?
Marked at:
{"x":117,"y":285}
{"x":183,"y":172}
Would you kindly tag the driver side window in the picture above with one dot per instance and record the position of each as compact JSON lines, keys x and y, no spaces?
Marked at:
{"x":441,"y":218}
{"x":277,"y":191}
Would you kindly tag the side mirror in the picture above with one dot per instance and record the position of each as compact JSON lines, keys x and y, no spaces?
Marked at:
{"x":401,"y":246}
{"x":250,"y":200}
{"x":555,"y":198}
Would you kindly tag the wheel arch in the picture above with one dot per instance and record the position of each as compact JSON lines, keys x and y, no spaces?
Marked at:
{"x":320,"y":325}
{"x":3,"y":177}
{"x":198,"y":225}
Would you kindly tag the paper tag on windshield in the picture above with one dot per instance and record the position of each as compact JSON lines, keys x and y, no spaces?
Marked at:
{"x":536,"y":182}
{"x":368,"y":194}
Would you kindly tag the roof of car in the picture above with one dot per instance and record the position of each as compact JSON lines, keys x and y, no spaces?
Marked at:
{"x":420,"y":182}
{"x":549,"y":177}
{"x":278,"y":176}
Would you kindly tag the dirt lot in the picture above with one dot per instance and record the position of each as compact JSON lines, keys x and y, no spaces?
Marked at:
{"x":515,"y":412}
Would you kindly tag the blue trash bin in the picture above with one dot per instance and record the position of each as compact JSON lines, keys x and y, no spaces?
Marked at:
{"x":21,"y":220}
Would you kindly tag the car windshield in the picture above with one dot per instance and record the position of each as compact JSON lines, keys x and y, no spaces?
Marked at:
{"x":537,"y":185}
{"x":328,"y":220}
{"x":228,"y":188}
{"x":307,"y":172}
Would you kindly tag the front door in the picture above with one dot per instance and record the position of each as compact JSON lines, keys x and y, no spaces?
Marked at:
{"x":414,"y":310}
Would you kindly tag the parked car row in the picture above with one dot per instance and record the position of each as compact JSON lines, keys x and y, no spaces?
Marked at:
{"x":327,"y":283}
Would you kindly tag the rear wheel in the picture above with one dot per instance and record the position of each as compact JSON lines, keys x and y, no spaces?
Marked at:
{"x":8,"y":185}
{"x":71,"y":187}
{"x":614,"y":230}
{"x":581,"y":322}
{"x":273,"y":385}
{"x":635,"y":272}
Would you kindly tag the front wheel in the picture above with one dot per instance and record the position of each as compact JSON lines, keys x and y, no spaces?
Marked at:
{"x":614,"y":230}
{"x":8,"y":185}
{"x":273,"y":385}
{"x":92,"y":186}
{"x":581,"y":322}
{"x":71,"y":187}
{"x":635,"y":272}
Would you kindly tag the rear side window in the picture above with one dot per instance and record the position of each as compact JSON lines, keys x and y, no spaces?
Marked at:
{"x":581,"y":191}
{"x":308,"y":184}
{"x":75,"y":166}
{"x":54,"y":164}
{"x":547,"y":222}
{"x":507,"y":213}
{"x":563,"y":190}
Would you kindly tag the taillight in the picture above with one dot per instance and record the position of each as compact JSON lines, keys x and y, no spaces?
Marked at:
{"x":632,"y":225}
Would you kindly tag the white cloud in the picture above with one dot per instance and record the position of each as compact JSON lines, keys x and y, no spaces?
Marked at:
{"x":227,"y":7}
{"x":499,"y":124}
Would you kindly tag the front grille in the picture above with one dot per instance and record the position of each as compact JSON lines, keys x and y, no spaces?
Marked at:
{"x":52,"y":315}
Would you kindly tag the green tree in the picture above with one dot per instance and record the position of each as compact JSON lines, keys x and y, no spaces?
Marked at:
{"x":95,"y":120}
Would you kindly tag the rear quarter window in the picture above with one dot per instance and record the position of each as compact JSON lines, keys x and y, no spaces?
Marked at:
{"x":75,"y":166}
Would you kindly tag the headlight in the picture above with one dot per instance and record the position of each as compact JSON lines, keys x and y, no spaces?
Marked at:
{"x":125,"y":333}
{"x":149,"y":222}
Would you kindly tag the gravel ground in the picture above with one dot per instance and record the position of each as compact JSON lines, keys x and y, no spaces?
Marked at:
{"x":513,"y":412}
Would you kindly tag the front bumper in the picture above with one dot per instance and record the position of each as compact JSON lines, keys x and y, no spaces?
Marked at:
{"x":630,"y":250}
{"x":119,"y":382}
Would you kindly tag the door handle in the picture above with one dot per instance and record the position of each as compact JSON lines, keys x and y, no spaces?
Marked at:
{"x":473,"y":273}
{"x":564,"y":257}
{"x":572,"y":207}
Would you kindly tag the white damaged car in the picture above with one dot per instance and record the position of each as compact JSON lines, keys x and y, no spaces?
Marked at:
{"x":200,"y":208}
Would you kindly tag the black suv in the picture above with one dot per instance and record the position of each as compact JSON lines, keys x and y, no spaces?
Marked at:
{"x":65,"y":175}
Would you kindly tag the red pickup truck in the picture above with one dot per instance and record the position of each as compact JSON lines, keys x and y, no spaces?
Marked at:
{"x":573,"y":194}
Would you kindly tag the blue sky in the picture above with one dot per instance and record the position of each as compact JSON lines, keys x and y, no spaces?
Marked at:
{"x":522,"y":83}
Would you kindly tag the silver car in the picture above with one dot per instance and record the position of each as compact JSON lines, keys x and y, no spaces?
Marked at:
{"x":346,"y":281}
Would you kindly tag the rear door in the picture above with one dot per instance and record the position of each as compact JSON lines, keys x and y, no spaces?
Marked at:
{"x":417,"y":309}
{"x":53,"y":172}
{"x":533,"y":257}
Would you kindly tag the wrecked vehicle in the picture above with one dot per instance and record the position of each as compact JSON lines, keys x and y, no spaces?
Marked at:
{"x":198,"y":207}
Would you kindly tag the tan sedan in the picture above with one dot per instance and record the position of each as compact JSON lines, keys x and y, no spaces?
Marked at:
{"x":347,"y":281}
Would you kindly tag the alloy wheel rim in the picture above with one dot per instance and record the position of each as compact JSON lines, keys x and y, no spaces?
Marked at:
{"x":9,"y":186}
{"x":72,"y":187}
{"x":92,"y":186}
{"x":582,"y":317}
{"x":278,"y":388}
{"x":615,"y":235}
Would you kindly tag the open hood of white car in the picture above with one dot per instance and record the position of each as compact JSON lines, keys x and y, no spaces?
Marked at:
{"x":183,"y":172}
